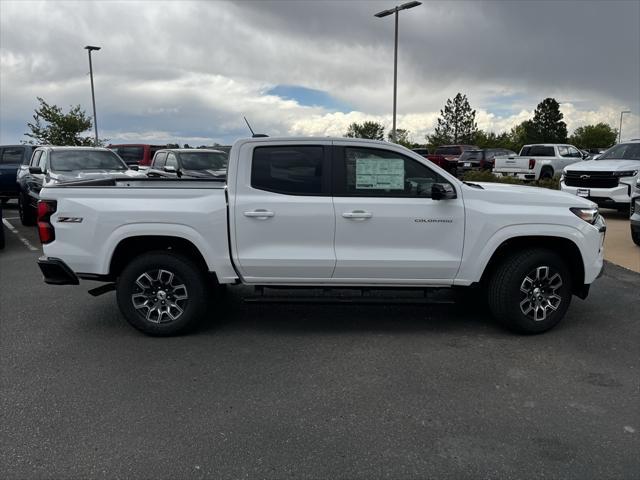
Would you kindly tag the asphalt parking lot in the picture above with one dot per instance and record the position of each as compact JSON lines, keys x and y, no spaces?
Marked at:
{"x":313,"y":391}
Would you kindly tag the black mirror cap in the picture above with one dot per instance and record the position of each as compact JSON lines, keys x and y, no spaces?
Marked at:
{"x":35,"y":170}
{"x":442,"y":191}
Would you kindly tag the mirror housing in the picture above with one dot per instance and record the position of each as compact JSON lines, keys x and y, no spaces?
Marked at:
{"x":35,"y":171}
{"x":134,"y":167}
{"x":170,"y":169}
{"x":442,"y":191}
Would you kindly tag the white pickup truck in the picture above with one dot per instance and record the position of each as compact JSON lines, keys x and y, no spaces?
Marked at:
{"x":538,"y":161}
{"x":320,"y":212}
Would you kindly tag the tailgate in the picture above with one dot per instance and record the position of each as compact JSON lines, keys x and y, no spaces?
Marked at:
{"x":512,"y":164}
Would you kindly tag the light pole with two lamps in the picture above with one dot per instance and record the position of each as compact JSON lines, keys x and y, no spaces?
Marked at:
{"x":384,"y":13}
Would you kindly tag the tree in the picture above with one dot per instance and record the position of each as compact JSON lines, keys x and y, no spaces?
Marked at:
{"x":402,"y":138}
{"x":372,"y":130}
{"x":53,"y":127}
{"x":457,"y":123}
{"x":599,"y":135}
{"x":547,"y":125}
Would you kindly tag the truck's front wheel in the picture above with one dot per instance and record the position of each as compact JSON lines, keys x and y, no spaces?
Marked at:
{"x":161,"y":293}
{"x":530,"y":291}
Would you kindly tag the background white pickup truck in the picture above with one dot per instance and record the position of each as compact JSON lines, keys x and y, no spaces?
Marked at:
{"x":321,"y":213}
{"x":544,"y":160}
{"x":608,"y":180}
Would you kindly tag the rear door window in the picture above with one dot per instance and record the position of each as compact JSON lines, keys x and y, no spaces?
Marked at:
{"x":172,"y":161}
{"x":36,"y":158}
{"x":290,"y":169}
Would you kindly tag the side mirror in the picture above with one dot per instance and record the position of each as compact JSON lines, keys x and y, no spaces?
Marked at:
{"x":442,"y":191}
{"x":134,"y":167}
{"x":585,"y":155}
{"x":35,"y":171}
{"x":170,"y":169}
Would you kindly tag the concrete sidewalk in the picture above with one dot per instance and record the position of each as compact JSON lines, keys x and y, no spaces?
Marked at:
{"x":618,"y":246}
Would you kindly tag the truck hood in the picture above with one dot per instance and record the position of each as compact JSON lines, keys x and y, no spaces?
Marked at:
{"x":605,"y":165}
{"x":62,"y":177}
{"x":523,"y":194}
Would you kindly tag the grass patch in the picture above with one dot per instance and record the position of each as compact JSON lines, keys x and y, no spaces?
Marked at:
{"x":487,"y":176}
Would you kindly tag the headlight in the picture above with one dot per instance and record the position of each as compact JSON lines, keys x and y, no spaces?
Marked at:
{"x":626,"y":173}
{"x":589,"y":215}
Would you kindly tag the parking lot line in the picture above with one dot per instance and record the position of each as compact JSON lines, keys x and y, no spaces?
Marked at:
{"x":13,"y":229}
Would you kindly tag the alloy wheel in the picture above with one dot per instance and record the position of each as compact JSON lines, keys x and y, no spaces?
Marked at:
{"x":159,"y":296}
{"x":539,"y":291}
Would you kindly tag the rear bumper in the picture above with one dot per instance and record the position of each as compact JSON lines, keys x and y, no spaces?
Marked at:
{"x":56,"y":272}
{"x":520,"y":174}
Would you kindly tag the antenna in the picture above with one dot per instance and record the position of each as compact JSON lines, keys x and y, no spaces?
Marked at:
{"x":247,"y":122}
{"x":253,"y":134}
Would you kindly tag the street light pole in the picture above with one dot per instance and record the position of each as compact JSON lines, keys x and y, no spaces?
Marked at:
{"x":384,"y":13}
{"x":90,"y":48}
{"x":620,"y":129}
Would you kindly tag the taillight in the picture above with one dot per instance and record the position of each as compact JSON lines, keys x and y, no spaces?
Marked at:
{"x":46,"y":208}
{"x":532,"y":163}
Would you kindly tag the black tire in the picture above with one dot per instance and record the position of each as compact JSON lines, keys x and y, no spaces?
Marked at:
{"x":159,"y":321}
{"x":28,"y":214}
{"x":546,"y":173}
{"x":1,"y":235}
{"x":635,"y":236}
{"x":506,"y":291}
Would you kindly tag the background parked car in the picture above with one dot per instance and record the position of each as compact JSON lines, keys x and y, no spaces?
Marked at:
{"x":64,"y":164}
{"x":136,"y":153}
{"x":481,"y":159}
{"x":192,"y":162}
{"x":446,"y":156}
{"x":608,"y":181}
{"x":635,"y":216}
{"x":1,"y":230}
{"x":11,"y":157}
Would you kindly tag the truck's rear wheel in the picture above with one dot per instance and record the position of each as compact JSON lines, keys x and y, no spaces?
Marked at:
{"x":530,"y":291}
{"x":161,"y":293}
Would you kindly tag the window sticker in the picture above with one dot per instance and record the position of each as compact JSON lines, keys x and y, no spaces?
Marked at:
{"x":374,"y":173}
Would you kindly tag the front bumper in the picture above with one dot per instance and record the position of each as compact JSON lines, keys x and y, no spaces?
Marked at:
{"x":605,"y":197}
{"x":56,"y":272}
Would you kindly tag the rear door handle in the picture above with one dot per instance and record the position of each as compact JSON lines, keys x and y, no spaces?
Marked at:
{"x":357,"y":214}
{"x":259,"y":213}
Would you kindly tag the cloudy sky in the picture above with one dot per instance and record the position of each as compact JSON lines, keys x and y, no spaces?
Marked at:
{"x":187,"y":72}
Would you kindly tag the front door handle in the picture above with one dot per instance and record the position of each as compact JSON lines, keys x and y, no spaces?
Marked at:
{"x":259,"y":213}
{"x":357,"y":214}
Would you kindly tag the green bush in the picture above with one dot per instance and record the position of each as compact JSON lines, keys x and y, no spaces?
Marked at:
{"x":487,"y":176}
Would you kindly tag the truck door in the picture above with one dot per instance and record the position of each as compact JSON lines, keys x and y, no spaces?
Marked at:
{"x":283,"y":213}
{"x":388,"y":228}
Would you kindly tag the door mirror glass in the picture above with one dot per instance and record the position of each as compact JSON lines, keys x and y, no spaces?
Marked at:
{"x":442,"y":191}
{"x":35,"y":170}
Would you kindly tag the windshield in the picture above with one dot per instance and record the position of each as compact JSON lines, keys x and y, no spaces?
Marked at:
{"x":68,"y":160}
{"x":624,"y":151}
{"x":203,"y":160}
